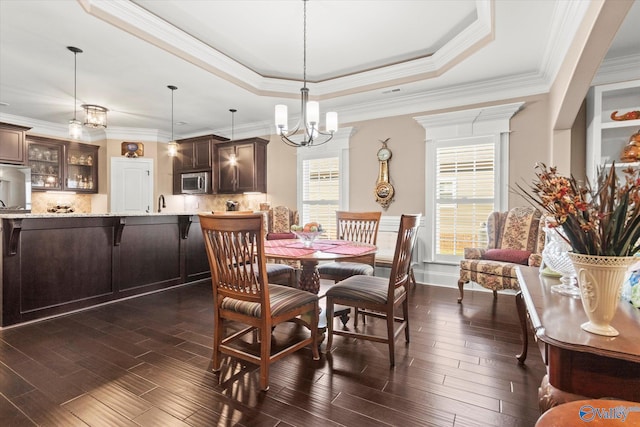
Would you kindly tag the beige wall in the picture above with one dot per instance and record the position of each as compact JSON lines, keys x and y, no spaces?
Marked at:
{"x":406,"y":167}
{"x":281,"y":173}
{"x":529,"y":143}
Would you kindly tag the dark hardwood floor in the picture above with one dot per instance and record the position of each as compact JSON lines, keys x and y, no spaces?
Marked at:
{"x":146,"y":361}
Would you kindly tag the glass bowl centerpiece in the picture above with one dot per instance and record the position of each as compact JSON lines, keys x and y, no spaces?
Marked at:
{"x":556,"y":256}
{"x":307,"y":233}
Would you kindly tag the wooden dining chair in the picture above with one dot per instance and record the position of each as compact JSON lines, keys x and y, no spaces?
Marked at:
{"x":359,"y":227}
{"x":276,"y":272}
{"x":241,"y":293}
{"x":379,"y":296}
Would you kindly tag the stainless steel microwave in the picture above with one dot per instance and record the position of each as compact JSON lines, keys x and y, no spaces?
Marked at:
{"x":194,"y":183}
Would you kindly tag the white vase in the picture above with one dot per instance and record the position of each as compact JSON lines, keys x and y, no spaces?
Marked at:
{"x":600,"y":279}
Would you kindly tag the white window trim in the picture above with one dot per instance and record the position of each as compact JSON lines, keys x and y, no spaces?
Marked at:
{"x":337,"y":147}
{"x":493,"y":121}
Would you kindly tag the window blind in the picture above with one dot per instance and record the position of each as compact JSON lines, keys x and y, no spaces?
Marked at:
{"x":321,"y":192}
{"x":465,"y":196}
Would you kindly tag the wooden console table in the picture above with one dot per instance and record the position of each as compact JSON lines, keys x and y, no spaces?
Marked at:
{"x":579,"y":364}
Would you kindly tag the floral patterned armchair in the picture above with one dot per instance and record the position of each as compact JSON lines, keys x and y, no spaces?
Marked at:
{"x":280,"y":220}
{"x":515,"y":238}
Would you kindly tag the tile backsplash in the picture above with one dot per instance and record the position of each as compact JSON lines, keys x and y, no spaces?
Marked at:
{"x":42,"y":202}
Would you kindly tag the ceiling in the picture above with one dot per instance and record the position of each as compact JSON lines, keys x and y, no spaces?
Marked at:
{"x":365,"y":59}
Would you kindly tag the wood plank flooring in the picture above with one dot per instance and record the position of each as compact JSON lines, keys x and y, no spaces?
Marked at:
{"x":146,"y":361}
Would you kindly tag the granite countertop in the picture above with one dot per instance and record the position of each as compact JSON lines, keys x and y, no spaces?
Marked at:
{"x":89,"y":215}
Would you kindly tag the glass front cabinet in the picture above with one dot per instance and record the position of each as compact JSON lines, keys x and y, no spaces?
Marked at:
{"x":81,"y":168}
{"x":63,"y":166}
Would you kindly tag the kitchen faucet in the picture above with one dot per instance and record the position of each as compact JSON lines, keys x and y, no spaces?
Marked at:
{"x":161,"y":203}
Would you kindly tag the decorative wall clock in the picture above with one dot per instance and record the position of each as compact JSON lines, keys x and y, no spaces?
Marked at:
{"x":384,"y":191}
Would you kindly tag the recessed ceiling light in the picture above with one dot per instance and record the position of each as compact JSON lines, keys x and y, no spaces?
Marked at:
{"x":181,"y":123}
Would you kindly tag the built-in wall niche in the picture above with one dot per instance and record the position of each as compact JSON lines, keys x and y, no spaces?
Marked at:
{"x":606,"y":137}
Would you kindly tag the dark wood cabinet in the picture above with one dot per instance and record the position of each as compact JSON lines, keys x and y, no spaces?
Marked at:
{"x":12,"y":143}
{"x":241,"y":166}
{"x":62,"y":165}
{"x":194,"y":155}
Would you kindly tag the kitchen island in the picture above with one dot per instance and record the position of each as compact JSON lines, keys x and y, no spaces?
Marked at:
{"x":57,"y":263}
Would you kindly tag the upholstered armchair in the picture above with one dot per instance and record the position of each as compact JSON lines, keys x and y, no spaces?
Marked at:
{"x":515,"y":238}
{"x":280,"y":220}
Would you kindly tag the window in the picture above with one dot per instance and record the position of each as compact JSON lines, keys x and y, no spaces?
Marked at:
{"x":465,"y":194}
{"x":323,"y":181}
{"x":321,"y":192}
{"x":467,"y":177}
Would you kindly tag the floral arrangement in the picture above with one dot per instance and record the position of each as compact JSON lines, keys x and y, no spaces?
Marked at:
{"x":603,"y":221}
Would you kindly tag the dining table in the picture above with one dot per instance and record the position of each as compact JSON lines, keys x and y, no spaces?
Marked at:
{"x":310,"y":254}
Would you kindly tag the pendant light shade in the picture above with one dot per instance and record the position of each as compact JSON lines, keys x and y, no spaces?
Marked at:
{"x":75,"y":129}
{"x":75,"y":126}
{"x":172,"y":146}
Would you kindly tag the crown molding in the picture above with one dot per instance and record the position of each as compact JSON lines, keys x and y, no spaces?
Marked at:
{"x":41,"y":127}
{"x":136,"y":134}
{"x":566,"y":20}
{"x":61,"y":131}
{"x":619,"y":69}
{"x":476,"y":121}
{"x":494,"y":90}
{"x":143,"y":24}
{"x":456,"y":96}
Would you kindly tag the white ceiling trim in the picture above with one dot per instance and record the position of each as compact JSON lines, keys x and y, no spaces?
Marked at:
{"x":137,"y":21}
{"x":497,"y":89}
{"x":477,"y":121}
{"x":143,"y":24}
{"x":471,"y":39}
{"x":618,"y":70}
{"x":567,"y":18}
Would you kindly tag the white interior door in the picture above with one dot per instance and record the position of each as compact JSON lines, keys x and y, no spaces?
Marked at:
{"x":131,"y":185}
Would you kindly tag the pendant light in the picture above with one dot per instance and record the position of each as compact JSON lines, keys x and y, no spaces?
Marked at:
{"x":233,"y":160}
{"x":75,"y":126}
{"x":172,"y":145}
{"x":310,"y":112}
{"x":95,"y":116}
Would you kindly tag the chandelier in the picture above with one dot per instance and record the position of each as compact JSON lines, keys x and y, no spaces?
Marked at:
{"x":75,"y":127}
{"x":172,"y":145}
{"x":310,"y":113}
{"x":95,"y":116}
